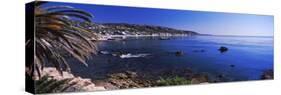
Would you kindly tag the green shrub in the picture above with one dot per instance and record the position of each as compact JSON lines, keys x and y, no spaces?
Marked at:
{"x":173,"y":81}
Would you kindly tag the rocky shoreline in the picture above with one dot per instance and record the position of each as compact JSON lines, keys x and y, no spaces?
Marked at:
{"x":127,"y":79}
{"x":267,"y":74}
{"x":130,"y":79}
{"x":81,"y":84}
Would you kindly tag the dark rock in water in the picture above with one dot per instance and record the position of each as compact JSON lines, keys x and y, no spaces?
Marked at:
{"x":179,"y":53}
{"x":232,"y":65}
{"x":222,"y":77}
{"x":268,"y":74}
{"x":223,"y":49}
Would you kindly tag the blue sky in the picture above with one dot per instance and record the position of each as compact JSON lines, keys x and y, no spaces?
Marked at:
{"x":202,"y":22}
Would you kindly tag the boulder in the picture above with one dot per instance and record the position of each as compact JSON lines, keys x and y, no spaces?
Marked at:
{"x":119,"y":76}
{"x":80,"y":84}
{"x":128,"y":79}
{"x":223,"y":49}
{"x":268,"y":74}
{"x":179,"y":53}
{"x":131,"y":74}
{"x":199,"y":78}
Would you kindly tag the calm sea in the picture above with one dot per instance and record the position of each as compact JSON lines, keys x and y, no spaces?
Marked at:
{"x":246,"y":58}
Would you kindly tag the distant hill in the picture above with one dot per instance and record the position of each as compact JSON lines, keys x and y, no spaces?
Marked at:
{"x":132,"y":29}
{"x":136,"y":29}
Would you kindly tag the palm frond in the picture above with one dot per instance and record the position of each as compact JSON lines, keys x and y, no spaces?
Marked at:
{"x":39,"y":3}
{"x":56,"y":36}
{"x":75,"y":11}
{"x":57,"y":8}
{"x":47,"y":85}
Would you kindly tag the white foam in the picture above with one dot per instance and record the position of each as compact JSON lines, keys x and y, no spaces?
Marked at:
{"x":104,"y":52}
{"x":133,"y":55}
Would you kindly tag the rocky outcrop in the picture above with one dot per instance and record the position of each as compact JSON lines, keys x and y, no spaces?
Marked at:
{"x":223,"y":49}
{"x":199,"y":79}
{"x":126,"y":79}
{"x":129,"y":80}
{"x":268,"y":74}
{"x":80,"y":84}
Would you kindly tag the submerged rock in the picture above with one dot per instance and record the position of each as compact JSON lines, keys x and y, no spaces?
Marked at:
{"x":179,"y":53}
{"x":223,"y":49}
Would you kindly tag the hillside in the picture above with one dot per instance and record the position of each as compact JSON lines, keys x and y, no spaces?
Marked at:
{"x":135,"y":29}
{"x":132,"y":29}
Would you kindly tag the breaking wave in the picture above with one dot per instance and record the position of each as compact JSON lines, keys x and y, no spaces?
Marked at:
{"x":129,"y":55}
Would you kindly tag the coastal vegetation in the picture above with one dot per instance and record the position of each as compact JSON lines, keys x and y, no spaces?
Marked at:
{"x":173,"y":81}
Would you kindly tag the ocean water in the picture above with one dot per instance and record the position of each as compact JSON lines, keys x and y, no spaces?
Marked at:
{"x":246,"y":58}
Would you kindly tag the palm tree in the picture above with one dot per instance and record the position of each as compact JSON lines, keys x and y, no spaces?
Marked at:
{"x":56,"y":36}
{"x":48,"y":85}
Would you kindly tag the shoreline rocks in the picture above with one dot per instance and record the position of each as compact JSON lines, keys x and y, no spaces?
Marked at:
{"x":268,"y":74}
{"x":199,"y":79}
{"x":80,"y":84}
{"x":128,"y":79}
